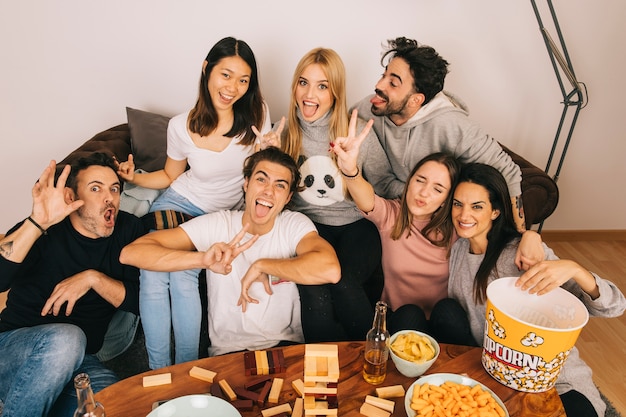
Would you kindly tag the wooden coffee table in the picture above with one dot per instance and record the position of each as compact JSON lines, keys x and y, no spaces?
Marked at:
{"x":128,"y":398}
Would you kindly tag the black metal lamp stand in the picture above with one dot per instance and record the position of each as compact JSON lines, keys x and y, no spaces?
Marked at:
{"x":574,"y":97}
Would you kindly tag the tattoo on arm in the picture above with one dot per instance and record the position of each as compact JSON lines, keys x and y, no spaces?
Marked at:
{"x":6,"y":249}
{"x":520,"y":209}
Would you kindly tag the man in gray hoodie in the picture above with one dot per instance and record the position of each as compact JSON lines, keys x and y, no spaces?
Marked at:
{"x":414,"y":117}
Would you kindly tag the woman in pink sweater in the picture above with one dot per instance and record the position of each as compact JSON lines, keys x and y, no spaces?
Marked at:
{"x":416,"y":234}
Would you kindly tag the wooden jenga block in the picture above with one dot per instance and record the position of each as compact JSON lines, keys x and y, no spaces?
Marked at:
{"x":270,"y":362}
{"x":203,"y":374}
{"x":258,"y":359}
{"x":310,"y":365}
{"x":274,"y":411}
{"x":392,"y":391}
{"x":298,"y":408}
{"x":332,"y":400}
{"x":372,"y":411}
{"x":318,"y":349}
{"x":386,"y":405}
{"x":265,"y":367}
{"x":298,"y":386}
{"x":333,"y":367}
{"x":321,"y":388}
{"x":321,"y":409}
{"x":277,"y":386}
{"x":257,"y":383}
{"x":159,"y":379}
{"x":246,"y":394}
{"x":243,"y":405}
{"x":216,"y":391}
{"x":311,"y":380}
{"x":309,"y":402}
{"x":282,"y":367}
{"x":264,"y":393}
{"x":227,"y":390}
{"x":321,"y":365}
{"x":249,"y":359}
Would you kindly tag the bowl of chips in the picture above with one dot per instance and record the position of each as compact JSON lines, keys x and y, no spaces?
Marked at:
{"x":413,"y":352}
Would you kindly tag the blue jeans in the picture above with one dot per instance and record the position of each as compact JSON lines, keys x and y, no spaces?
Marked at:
{"x":119,"y":336}
{"x":170,"y":300}
{"x":37,"y":367}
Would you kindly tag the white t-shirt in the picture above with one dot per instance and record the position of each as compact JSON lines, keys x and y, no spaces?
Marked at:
{"x":277,"y":316}
{"x":214,"y":180}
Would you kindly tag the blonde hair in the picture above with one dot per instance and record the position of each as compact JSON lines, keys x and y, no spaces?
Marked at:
{"x":333,"y":67}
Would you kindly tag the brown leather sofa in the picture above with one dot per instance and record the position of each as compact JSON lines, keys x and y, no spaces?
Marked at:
{"x":540,"y":194}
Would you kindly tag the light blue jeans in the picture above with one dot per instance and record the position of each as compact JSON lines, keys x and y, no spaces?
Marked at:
{"x":171,"y":300}
{"x":37,"y":368}
{"x":119,"y":336}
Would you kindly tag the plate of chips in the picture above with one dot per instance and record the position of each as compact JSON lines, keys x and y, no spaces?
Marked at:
{"x":451,"y":393}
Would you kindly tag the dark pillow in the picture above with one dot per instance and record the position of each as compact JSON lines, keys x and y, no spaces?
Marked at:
{"x":148,"y":139}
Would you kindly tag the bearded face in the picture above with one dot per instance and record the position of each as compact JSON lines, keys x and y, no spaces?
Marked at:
{"x":99,"y":188}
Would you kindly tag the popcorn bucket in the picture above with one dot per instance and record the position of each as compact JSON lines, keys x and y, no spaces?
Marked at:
{"x":529,"y":336}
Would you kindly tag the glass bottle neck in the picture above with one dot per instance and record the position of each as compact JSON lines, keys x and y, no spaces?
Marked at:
{"x":84,"y":393}
{"x":380,"y":316}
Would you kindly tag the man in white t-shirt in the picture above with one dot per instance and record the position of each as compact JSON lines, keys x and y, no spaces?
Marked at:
{"x":253,"y":300}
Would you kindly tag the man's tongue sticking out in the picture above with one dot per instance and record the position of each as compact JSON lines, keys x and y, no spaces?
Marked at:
{"x":377,"y":100}
{"x":262,"y":208}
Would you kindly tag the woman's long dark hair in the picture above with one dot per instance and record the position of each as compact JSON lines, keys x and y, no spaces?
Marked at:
{"x":248,"y":110}
{"x":503,"y":229}
{"x":439,"y":229}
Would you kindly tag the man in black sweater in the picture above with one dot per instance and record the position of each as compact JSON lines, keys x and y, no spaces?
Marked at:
{"x":62,"y":267}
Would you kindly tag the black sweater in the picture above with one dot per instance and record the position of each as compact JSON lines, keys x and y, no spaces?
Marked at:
{"x":60,"y":254}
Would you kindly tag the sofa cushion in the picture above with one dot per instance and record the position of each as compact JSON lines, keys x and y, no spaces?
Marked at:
{"x":114,"y":141}
{"x":148,"y":138}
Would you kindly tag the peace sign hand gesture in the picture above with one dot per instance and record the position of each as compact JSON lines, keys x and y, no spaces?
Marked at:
{"x":271,"y":138}
{"x":219,"y":257}
{"x":347,"y":148}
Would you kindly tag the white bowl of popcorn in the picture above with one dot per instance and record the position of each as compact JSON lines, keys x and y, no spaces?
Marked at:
{"x":413,"y":352}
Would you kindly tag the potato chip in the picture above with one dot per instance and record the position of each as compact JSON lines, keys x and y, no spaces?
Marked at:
{"x":413,"y":347}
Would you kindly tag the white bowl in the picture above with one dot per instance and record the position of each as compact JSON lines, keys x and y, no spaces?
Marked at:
{"x":408,"y":368}
{"x":196,"y":406}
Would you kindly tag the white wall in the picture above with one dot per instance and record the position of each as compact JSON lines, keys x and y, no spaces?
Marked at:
{"x":69,"y":68}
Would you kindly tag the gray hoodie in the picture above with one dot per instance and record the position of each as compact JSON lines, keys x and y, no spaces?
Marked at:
{"x":442,"y":125}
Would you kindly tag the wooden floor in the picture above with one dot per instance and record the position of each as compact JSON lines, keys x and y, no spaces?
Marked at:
{"x":602,"y":342}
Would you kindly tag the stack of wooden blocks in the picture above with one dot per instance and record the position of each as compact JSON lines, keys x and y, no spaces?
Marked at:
{"x":321,"y":375}
{"x":264,"y":362}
